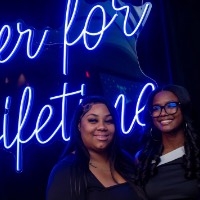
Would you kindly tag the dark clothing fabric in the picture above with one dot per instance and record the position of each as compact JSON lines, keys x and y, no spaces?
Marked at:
{"x":170,"y":183}
{"x":61,"y":185}
{"x":96,"y":191}
{"x":61,"y":181}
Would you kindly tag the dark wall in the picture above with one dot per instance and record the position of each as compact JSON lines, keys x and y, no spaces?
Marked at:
{"x":168,"y":46}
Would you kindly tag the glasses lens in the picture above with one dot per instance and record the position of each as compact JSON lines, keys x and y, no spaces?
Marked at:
{"x":155,"y":111}
{"x":171,"y":108}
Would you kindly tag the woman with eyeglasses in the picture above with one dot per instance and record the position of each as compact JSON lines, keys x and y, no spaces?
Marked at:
{"x":168,"y":164}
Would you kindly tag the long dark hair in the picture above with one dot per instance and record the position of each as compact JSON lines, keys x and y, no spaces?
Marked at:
{"x":151,"y":140}
{"x":119,"y":159}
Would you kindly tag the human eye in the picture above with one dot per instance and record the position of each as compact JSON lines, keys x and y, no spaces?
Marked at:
{"x":171,"y":105}
{"x":92,"y":120}
{"x":109,"y":121}
{"x":156,"y":108}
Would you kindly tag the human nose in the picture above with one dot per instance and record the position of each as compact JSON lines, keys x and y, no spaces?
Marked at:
{"x":102,"y":126}
{"x":163,"y":112}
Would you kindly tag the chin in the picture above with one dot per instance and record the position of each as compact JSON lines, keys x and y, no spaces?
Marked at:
{"x":171,"y":132}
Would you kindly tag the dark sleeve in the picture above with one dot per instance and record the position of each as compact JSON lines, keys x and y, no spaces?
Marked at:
{"x":58,"y":187}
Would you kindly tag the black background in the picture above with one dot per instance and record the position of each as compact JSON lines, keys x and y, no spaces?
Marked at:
{"x":168,"y":51}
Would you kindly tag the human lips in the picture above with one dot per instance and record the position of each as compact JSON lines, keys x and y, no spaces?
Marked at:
{"x":102,"y":137}
{"x":165,"y":122}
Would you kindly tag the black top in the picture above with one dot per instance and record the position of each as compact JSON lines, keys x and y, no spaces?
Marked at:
{"x":60,"y":184}
{"x":170,"y":183}
{"x":96,"y":191}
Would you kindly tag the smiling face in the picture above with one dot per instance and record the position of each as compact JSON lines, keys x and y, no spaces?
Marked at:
{"x":97,"y":128}
{"x":167,"y":123}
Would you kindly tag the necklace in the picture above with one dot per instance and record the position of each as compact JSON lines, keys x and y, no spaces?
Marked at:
{"x":94,"y":166}
{"x":91,"y":164}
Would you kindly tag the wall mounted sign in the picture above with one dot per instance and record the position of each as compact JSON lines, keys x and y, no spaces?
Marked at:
{"x":93,"y":53}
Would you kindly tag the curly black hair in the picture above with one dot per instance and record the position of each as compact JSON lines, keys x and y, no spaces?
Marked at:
{"x":151,"y":141}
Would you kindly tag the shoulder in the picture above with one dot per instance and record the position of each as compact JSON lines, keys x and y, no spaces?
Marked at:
{"x":63,"y":166}
{"x":59,"y":182}
{"x":59,"y":178}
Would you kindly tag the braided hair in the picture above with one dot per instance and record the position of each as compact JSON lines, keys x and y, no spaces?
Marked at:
{"x":152,"y":147}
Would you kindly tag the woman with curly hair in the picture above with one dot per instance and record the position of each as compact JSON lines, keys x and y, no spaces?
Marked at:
{"x":168,"y":164}
{"x":94,"y":167}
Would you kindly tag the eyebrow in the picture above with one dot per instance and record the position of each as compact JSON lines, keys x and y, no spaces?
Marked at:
{"x":171,"y":101}
{"x":108,"y":115}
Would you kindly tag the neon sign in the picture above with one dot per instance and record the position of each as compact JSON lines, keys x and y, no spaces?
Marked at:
{"x":41,"y":123}
{"x":9,"y":47}
{"x":6,"y":33}
{"x":138,"y":110}
{"x":105,"y":25}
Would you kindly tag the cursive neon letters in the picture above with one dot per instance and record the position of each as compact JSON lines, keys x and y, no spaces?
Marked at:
{"x":24,"y":113}
{"x":69,"y":21}
{"x":48,"y":111}
{"x":8,"y":47}
{"x":6,"y":31}
{"x":138,"y":110}
{"x":10,"y":44}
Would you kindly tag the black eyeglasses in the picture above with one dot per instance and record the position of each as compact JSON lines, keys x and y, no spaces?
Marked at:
{"x":170,"y":108}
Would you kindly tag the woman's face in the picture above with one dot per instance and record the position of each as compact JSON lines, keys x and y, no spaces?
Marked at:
{"x":167,"y":123}
{"x":97,"y":128}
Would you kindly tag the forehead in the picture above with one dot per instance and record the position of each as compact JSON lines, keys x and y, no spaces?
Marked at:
{"x":98,"y":109}
{"x":163,"y":97}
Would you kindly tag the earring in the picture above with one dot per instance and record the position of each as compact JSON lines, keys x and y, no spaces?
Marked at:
{"x":186,"y":127}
